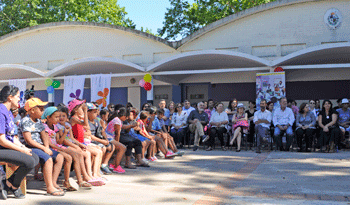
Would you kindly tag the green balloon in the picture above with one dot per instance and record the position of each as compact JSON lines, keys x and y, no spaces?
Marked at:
{"x":56,"y":84}
{"x":48,"y":82}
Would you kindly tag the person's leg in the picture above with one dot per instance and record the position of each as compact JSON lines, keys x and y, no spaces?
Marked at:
{"x":193,"y":129}
{"x":235,"y":134}
{"x":87,"y":165}
{"x":129,"y":146}
{"x":150,"y":152}
{"x":174,"y":135}
{"x":121,"y":149}
{"x":109,"y":153}
{"x":213,"y":132}
{"x":221,"y":132}
{"x":77,"y":157}
{"x":335,"y":136}
{"x":145,"y":145}
{"x":57,"y":167}
{"x":96,"y":154}
{"x":259,"y":132}
{"x":278,"y":138}
{"x":299,"y":135}
{"x":308,"y":137}
{"x":67,"y":166}
{"x":161,"y":145}
{"x":290,"y":136}
{"x":172,"y":144}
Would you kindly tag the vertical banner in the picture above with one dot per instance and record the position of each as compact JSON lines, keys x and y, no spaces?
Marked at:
{"x":73,"y":88}
{"x":21,"y":84}
{"x":270,"y":86}
{"x":100,"y":89}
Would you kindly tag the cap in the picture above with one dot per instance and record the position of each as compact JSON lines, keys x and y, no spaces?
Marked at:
{"x":48,"y":111}
{"x":72,"y":104}
{"x":91,"y":106}
{"x":240,"y":105}
{"x":344,"y":101}
{"x":33,"y":102}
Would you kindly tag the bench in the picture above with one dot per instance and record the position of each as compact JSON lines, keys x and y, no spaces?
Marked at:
{"x":10,"y":169}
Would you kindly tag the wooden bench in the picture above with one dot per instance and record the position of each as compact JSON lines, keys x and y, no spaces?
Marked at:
{"x":10,"y":169}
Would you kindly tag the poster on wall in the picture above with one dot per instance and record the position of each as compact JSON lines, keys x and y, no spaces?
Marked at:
{"x":270,"y":86}
{"x":21,"y":84}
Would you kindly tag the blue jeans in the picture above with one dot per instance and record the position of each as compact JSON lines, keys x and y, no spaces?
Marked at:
{"x":278,"y":137}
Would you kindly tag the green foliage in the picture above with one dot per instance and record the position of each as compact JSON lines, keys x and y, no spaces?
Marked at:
{"x":149,"y":31}
{"x":182,"y":18}
{"x":18,"y":14}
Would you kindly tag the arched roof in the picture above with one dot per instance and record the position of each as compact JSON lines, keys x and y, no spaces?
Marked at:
{"x":15,"y":71}
{"x":95,"y":65}
{"x":208,"y":59}
{"x":237,"y":16}
{"x":323,"y":54}
{"x":91,"y":24}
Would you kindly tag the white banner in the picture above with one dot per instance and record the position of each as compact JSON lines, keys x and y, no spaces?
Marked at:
{"x":22,"y":85}
{"x":100,"y":89}
{"x":73,"y":88}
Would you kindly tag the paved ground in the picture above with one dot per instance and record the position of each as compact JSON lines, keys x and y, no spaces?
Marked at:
{"x":220,"y":177}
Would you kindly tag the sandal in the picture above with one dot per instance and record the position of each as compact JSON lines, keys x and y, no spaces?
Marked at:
{"x":130,"y":166}
{"x":53,"y":193}
{"x":85,"y":186}
{"x":96,"y":182}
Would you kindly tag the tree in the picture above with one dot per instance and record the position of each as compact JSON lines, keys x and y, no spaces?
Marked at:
{"x":18,"y":14}
{"x":183,"y":19}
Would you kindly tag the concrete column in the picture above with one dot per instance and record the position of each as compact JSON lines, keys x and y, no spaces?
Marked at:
{"x":134,"y":96}
{"x":150,"y":94}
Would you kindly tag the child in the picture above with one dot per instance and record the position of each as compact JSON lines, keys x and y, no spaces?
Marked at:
{"x":80,"y":125}
{"x":78,"y":151}
{"x":113,"y":129}
{"x":104,"y":114}
{"x":99,"y":138}
{"x":52,"y":117}
{"x":33,"y":132}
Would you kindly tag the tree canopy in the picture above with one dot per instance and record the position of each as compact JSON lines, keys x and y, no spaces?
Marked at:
{"x":182,"y":18}
{"x":18,"y":14}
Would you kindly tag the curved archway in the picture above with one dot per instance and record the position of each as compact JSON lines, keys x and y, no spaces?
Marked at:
{"x":95,"y":65}
{"x":208,"y":59}
{"x":16,"y":71}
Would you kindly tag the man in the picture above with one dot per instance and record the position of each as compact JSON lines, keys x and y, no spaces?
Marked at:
{"x":162,"y":105}
{"x":339,"y":102}
{"x":197,"y":120}
{"x":211,"y":108}
{"x":262,"y":120}
{"x":283,"y":119}
{"x":187,"y":107}
{"x":344,"y":116}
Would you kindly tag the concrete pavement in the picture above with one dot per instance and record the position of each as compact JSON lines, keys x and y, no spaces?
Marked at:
{"x":219,"y":177}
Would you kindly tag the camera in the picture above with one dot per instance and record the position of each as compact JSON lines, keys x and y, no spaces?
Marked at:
{"x":29,"y":93}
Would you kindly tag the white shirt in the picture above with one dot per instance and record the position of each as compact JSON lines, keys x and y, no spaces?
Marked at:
{"x":188,"y":111}
{"x":218,"y":117}
{"x":266,"y":115}
{"x":283,"y":117}
{"x":178,"y":120}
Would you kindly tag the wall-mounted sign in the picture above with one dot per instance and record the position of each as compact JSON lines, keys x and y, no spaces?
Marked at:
{"x":164,"y":96}
{"x":333,"y":18}
{"x":197,"y":96}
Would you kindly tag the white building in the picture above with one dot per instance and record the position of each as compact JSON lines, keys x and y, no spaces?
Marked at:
{"x":309,"y":39}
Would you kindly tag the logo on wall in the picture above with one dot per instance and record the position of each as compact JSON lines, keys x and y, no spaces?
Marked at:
{"x":333,"y":18}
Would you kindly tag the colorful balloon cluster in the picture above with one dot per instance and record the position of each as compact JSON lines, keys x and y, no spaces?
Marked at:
{"x":51,"y":85}
{"x":146,"y":82}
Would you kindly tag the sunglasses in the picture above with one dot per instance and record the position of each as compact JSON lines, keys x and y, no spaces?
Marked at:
{"x":312,"y":103}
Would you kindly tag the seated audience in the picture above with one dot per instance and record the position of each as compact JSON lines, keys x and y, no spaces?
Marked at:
{"x":262,"y":120}
{"x":187,"y":107}
{"x":197,"y":120}
{"x":283,"y":119}
{"x":218,"y":121}
{"x":305,"y":123}
{"x":240,"y":121}
{"x":330,"y":132}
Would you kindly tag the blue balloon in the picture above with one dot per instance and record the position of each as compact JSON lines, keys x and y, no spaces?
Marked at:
{"x":50,"y":89}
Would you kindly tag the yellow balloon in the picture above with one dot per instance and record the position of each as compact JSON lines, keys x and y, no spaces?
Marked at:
{"x":147,"y":78}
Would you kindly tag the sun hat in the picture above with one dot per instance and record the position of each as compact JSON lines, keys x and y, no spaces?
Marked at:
{"x":344,"y":101}
{"x":240,"y":105}
{"x":33,"y":102}
{"x":91,"y":106}
{"x":48,"y":111}
{"x":72,"y":104}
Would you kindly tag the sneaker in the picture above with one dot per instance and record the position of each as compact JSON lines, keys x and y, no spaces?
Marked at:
{"x":180,"y":153}
{"x":111,"y":167}
{"x":153,"y":159}
{"x":195,"y":148}
{"x":169,"y":155}
{"x":145,"y":160}
{"x":119,"y":170}
{"x":105,"y":170}
{"x":205,"y":138}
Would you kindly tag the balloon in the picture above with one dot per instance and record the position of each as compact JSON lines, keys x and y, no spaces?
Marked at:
{"x":56,"y":84}
{"x":148,"y":86}
{"x":48,"y":82}
{"x":147,"y":78}
{"x":50,"y":89}
{"x":142,"y":83}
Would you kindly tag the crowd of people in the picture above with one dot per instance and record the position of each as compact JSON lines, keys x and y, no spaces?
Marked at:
{"x":51,"y":138}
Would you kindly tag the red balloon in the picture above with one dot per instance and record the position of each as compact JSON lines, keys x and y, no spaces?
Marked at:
{"x":278,"y":69}
{"x":147,"y":86}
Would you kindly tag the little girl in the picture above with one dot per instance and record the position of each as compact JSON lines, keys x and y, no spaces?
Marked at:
{"x":115,"y":123}
{"x":240,"y":120}
{"x":79,"y":120}
{"x":76,"y":150}
{"x":52,"y":117}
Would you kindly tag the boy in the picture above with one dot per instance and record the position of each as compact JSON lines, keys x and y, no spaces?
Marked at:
{"x":33,"y":132}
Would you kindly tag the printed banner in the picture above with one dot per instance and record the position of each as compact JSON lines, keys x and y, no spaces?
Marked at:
{"x":22,"y":85}
{"x":100,"y":89}
{"x":73,"y":88}
{"x":270,"y":86}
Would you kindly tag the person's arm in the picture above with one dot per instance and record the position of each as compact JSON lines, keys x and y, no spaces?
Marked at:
{"x":245,"y":117}
{"x":190,"y":119}
{"x":184,"y":122}
{"x":149,"y":126}
{"x":117,"y":129}
{"x":61,"y":136}
{"x":28,"y":138}
{"x":9,"y":145}
{"x":206,"y":119}
{"x":211,"y":122}
{"x":291,"y":117}
{"x":297,"y":123}
{"x":225,"y":119}
{"x":127,"y":128}
{"x":275,"y":121}
{"x":320,"y":121}
{"x":53,"y":145}
{"x":334,"y":120}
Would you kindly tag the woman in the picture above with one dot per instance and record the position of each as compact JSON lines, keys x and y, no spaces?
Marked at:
{"x":312,"y":108}
{"x":231,"y":109}
{"x":178,"y":124}
{"x":330,"y":132}
{"x":250,"y":112}
{"x":145,"y":106}
{"x":240,"y":120}
{"x":171,"y":108}
{"x":11,"y":149}
{"x":217,"y":122}
{"x":305,"y":122}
